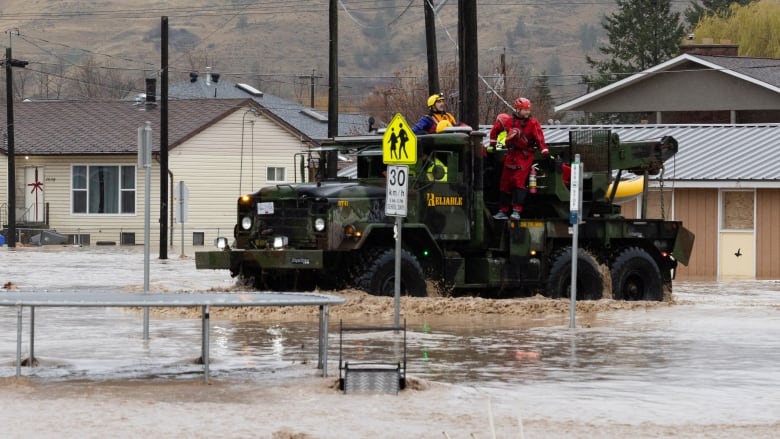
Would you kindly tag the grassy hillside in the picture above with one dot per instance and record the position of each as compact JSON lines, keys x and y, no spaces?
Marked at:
{"x":276,"y":44}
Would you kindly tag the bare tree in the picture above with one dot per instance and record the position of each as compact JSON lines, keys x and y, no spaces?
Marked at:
{"x":92,"y":80}
{"x":407,"y":93}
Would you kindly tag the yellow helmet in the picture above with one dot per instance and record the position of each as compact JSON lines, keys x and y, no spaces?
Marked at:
{"x":443,"y":125}
{"x":433,"y":98}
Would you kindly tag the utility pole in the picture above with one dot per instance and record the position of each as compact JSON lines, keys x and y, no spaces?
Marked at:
{"x":430,"y":44}
{"x":467,"y":59}
{"x":9,"y":96}
{"x":311,"y":77}
{"x":333,"y":70}
{"x":502,"y":62}
{"x":164,"y":138}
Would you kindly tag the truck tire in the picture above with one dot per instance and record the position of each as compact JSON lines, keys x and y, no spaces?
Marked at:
{"x":590,"y":284}
{"x":378,"y":276}
{"x":636,"y":276}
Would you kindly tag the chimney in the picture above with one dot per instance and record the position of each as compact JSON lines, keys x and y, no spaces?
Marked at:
{"x":208,"y":75}
{"x":193,"y":76}
{"x":709,"y":47}
{"x":215,"y":77}
{"x":151,"y":93}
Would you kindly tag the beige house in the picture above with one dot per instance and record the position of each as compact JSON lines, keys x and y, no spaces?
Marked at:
{"x":723,"y":184}
{"x":77,"y":167}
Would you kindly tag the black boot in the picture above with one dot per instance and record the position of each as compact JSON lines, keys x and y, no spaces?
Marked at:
{"x":518,"y":199}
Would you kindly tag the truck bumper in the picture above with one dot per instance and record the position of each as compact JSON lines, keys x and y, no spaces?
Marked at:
{"x":265,"y":259}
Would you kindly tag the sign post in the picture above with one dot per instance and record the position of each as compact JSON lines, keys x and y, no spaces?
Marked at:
{"x":145,"y":161}
{"x":181,"y":209}
{"x":575,"y":209}
{"x":399,"y":149}
{"x":395,"y":205}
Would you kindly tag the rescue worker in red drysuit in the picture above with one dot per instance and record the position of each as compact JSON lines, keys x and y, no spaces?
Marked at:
{"x":437,"y":112}
{"x":524,"y":133}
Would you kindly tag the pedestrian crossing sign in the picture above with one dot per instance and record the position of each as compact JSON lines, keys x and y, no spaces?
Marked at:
{"x":399,"y":144}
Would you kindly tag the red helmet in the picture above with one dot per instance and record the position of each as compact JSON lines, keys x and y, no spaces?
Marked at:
{"x":522,"y":104}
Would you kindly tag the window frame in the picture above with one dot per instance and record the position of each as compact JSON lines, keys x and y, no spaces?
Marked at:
{"x":275,"y":171}
{"x":121,"y":191}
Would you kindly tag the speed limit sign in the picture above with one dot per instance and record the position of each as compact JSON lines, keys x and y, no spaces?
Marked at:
{"x":397,"y":185}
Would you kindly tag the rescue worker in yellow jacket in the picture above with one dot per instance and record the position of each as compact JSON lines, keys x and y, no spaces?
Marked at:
{"x":437,"y":113}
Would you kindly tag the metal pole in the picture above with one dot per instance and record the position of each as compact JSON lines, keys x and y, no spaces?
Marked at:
{"x":575,"y":207}
{"x":326,"y":317}
{"x":18,"y":340}
{"x":397,"y":285}
{"x":147,"y":139}
{"x":319,"y":339}
{"x":181,"y":213}
{"x":574,"y":250}
{"x":32,"y":337}
{"x":205,"y":345}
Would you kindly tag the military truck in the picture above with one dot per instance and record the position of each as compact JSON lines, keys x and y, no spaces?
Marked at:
{"x":333,"y":233}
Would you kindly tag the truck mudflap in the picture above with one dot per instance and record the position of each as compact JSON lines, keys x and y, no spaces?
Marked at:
{"x":265,"y":259}
{"x":683,"y":246}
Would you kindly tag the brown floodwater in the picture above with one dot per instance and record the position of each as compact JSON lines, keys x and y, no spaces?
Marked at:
{"x":714,"y":355}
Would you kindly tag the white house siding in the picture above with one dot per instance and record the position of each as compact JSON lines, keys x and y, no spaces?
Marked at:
{"x":210,"y":166}
{"x":104,"y":227}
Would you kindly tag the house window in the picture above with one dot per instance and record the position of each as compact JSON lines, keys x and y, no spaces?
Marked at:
{"x":276,"y":174}
{"x":198,"y":238}
{"x":737,"y":210}
{"x":103,"y":189}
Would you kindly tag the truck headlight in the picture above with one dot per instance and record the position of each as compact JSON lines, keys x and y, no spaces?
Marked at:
{"x":246,"y":223}
{"x":280,"y":242}
{"x":319,"y":224}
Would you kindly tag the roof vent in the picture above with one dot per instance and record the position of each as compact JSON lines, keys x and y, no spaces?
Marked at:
{"x":314,"y":115}
{"x":249,"y":89}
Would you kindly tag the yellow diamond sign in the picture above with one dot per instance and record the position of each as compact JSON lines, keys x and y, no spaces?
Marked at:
{"x":399,"y":144}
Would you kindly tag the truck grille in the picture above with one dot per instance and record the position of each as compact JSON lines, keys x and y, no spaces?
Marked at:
{"x":289,"y":220}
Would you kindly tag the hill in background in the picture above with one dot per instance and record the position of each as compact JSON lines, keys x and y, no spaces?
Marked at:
{"x":281,"y":47}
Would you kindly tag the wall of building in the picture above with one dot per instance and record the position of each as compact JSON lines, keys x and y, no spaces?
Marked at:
{"x":224,"y":162}
{"x":698,"y":210}
{"x":768,"y":234}
{"x":100,"y":227}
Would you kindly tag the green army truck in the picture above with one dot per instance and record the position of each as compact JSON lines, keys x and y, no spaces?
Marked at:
{"x":333,"y":232}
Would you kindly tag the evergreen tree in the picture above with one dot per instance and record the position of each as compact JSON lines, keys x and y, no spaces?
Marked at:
{"x":542,"y":99}
{"x":720,"y":8}
{"x":642,"y":34}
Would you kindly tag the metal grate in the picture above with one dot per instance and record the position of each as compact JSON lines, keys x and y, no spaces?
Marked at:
{"x":375,"y":379}
{"x":593,"y":146}
{"x":380,"y":367}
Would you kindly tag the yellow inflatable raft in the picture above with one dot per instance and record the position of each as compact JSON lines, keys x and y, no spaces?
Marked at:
{"x":627,"y":190}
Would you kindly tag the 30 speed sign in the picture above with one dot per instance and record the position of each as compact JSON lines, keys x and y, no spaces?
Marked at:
{"x":397,"y":185}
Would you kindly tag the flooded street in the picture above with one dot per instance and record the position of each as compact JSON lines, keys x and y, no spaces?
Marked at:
{"x":712,"y":357}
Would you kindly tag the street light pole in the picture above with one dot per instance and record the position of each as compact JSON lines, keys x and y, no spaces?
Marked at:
{"x":9,"y":98}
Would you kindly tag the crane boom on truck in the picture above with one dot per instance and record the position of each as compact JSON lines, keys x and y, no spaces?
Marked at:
{"x":333,"y":232}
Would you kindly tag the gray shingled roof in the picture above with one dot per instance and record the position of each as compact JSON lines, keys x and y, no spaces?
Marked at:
{"x":292,"y":113}
{"x":706,"y":152}
{"x":762,"y":69}
{"x":98,"y":127}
